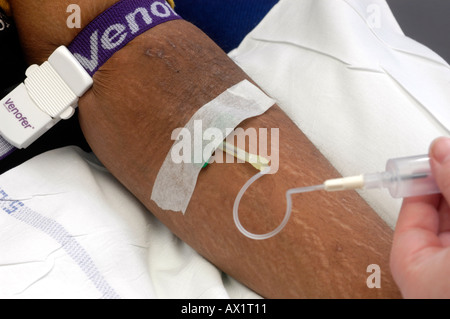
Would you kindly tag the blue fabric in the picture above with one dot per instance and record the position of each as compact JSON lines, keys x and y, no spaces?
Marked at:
{"x":226,"y":22}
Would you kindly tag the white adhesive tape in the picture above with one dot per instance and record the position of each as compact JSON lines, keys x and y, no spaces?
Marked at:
{"x":177,"y":179}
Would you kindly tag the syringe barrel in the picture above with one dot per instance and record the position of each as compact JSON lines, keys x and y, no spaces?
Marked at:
{"x":410,"y":176}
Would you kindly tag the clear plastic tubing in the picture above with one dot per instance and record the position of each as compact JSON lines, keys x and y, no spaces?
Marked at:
{"x":287,"y":215}
{"x":403,"y":177}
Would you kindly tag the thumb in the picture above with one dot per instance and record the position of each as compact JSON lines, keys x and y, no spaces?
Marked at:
{"x":440,"y":163}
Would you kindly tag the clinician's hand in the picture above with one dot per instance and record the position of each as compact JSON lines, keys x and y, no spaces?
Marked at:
{"x":420,"y":256}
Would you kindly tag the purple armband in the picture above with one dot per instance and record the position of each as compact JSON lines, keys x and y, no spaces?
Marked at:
{"x":51,"y":91}
{"x":5,"y":148}
{"x":117,"y":26}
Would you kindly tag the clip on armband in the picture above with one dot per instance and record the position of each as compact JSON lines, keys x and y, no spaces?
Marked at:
{"x":49,"y":93}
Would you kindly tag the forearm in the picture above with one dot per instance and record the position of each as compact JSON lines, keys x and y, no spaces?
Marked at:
{"x":153,"y":86}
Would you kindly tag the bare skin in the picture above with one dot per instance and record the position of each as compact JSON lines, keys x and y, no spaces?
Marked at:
{"x":153,"y":86}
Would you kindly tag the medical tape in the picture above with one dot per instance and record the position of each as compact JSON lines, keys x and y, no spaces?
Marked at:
{"x":176,"y":181}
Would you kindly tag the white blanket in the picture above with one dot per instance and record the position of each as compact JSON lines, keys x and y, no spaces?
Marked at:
{"x":353,"y":83}
{"x":359,"y":89}
{"x":70,"y":230}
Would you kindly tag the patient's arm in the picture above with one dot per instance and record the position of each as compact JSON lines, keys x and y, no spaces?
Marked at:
{"x":153,"y":86}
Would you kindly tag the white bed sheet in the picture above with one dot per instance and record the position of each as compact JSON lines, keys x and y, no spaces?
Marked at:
{"x":345,"y":73}
{"x":70,"y":230}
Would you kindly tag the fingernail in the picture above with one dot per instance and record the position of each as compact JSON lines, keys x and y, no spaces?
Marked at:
{"x":440,"y":150}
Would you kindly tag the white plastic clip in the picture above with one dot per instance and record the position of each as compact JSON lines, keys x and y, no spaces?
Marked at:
{"x":49,"y":93}
{"x":345,"y":183}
